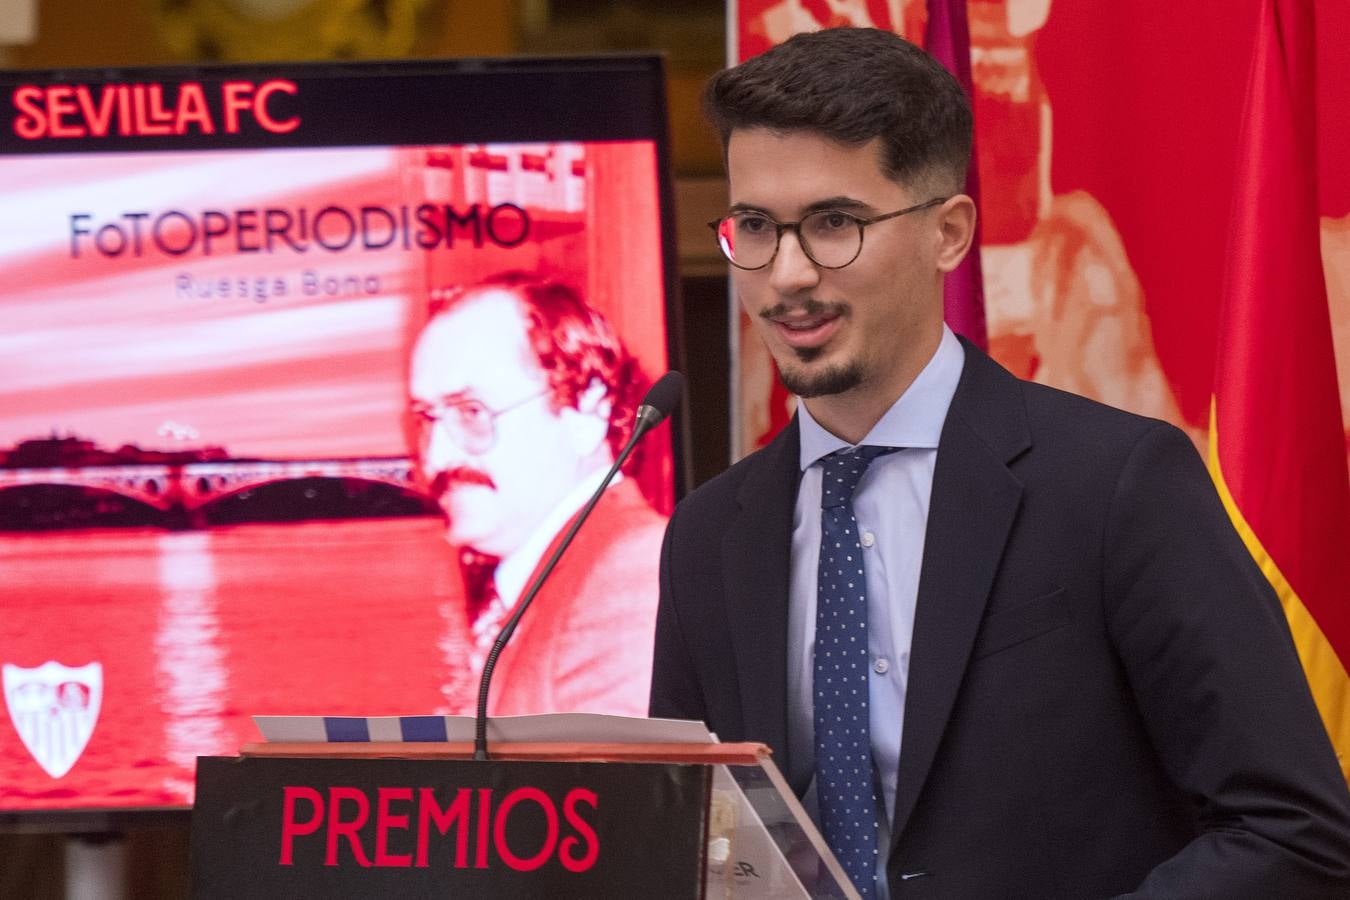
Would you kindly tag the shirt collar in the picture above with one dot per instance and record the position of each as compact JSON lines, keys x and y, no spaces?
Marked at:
{"x":514,"y":571}
{"x":914,"y":420}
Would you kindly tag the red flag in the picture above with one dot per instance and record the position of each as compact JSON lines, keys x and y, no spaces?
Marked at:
{"x":1276,"y":450}
{"x":948,"y":39}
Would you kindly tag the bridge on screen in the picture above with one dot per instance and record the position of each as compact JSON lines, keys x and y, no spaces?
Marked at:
{"x":193,"y":485}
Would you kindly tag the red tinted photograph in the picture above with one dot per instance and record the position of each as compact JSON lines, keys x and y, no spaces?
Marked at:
{"x":290,"y":431}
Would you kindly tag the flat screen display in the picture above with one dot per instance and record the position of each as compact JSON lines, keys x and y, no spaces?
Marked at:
{"x":303,"y":370}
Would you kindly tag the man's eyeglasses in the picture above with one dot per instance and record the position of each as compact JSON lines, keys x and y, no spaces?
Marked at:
{"x":830,"y":238}
{"x":471,"y":424}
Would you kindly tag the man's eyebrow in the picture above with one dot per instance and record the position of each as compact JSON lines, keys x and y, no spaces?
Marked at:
{"x":747,"y":207}
{"x":443,"y":400}
{"x":844,"y":204}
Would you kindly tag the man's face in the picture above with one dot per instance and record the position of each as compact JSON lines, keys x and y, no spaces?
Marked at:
{"x":843,"y":332}
{"x":493,"y":496}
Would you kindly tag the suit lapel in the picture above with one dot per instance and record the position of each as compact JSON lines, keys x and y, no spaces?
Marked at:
{"x":755,"y":553}
{"x":974,"y":501}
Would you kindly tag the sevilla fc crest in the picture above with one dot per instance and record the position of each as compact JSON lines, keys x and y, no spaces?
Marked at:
{"x":54,"y":708}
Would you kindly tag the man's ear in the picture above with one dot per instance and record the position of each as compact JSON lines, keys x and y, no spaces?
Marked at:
{"x":588,"y":425}
{"x":956,"y":224}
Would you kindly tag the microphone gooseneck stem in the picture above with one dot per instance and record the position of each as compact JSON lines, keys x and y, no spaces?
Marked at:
{"x":644,"y":425}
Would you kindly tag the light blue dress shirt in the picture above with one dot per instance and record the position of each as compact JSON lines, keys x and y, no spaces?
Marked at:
{"x":891,"y":506}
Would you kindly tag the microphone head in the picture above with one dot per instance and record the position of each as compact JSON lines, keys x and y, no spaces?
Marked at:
{"x":661,"y":400}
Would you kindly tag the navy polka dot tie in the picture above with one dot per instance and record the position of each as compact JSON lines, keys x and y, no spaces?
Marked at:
{"x":844,"y":780}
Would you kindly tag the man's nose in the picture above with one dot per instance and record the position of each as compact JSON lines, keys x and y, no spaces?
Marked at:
{"x":442,"y":453}
{"x":792,"y":271}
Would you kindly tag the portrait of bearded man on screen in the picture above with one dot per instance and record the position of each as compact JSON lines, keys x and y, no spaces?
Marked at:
{"x":520,"y":397}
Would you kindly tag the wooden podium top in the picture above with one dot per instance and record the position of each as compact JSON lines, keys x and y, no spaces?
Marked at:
{"x":698,"y":754}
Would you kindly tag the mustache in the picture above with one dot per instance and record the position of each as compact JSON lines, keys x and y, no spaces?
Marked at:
{"x":448,"y":478}
{"x":811,"y":307}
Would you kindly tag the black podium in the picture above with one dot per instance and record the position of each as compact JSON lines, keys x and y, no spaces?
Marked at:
{"x":548,"y":820}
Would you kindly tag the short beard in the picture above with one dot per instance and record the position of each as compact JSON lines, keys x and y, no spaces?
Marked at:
{"x":834,"y":380}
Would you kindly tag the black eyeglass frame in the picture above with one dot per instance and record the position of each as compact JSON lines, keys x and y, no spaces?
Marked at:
{"x":795,"y":228}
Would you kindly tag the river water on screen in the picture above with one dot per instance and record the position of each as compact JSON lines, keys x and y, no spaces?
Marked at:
{"x":196,"y":631}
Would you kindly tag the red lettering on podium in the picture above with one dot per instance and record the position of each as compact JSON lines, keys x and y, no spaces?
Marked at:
{"x":384,"y":821}
{"x":290,"y":828}
{"x":346,"y":814}
{"x":445,"y":819}
{"x":499,"y":831}
{"x":572,"y":861}
{"x":338,"y":827}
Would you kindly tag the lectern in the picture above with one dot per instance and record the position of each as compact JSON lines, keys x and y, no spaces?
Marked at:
{"x":548,"y":819}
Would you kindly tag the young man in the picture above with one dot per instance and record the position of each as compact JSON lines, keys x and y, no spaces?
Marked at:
{"x":1002,"y":639}
{"x":520,"y":394}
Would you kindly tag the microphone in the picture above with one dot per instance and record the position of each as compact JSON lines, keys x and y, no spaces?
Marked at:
{"x":659,"y":403}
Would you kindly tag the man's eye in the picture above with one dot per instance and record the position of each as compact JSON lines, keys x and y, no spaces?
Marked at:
{"x":753,"y":225}
{"x":471,"y":411}
{"x":831,"y":221}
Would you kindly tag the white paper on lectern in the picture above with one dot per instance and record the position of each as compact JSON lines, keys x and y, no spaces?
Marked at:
{"x":587,"y":728}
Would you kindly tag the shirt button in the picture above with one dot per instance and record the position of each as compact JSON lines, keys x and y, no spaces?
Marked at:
{"x":881,"y":666}
{"x":867,"y":539}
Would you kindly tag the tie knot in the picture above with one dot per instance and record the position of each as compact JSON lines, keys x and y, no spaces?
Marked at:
{"x":842,"y":470}
{"x":478,"y":570}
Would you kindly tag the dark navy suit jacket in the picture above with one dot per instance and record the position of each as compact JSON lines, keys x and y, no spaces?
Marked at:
{"x":1103,"y":695}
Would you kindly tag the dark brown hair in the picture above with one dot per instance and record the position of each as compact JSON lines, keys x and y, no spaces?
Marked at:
{"x":853,"y":85}
{"x":573,"y":344}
